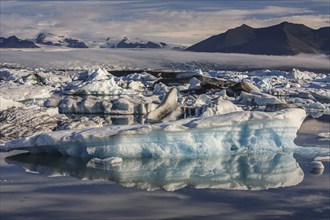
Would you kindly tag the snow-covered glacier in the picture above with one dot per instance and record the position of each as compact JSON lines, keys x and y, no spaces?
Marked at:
{"x":242,"y":171}
{"x":239,"y":131}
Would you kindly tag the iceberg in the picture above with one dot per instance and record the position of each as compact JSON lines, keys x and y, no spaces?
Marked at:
{"x":219,"y":107}
{"x":240,"y":131}
{"x":245,"y":171}
{"x":168,"y":108}
{"x":99,"y":82}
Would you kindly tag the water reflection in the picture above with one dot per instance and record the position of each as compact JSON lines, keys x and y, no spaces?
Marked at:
{"x":256,"y":171}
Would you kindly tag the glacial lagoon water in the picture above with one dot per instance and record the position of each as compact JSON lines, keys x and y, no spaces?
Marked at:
{"x":267,"y":185}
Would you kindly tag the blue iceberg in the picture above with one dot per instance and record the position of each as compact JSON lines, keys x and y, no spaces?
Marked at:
{"x":251,"y":131}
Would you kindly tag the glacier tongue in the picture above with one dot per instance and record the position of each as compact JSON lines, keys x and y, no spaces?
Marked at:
{"x":242,"y":171}
{"x":187,"y":138}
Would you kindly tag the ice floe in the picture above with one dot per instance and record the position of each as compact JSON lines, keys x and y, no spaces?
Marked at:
{"x":322,"y":158}
{"x":317,"y":167}
{"x":18,"y":92}
{"x":18,"y":123}
{"x":220,"y":107}
{"x":169,"y":108}
{"x":257,"y":98}
{"x":99,"y":82}
{"x":191,"y":137}
{"x":210,"y":101}
{"x":8,"y":103}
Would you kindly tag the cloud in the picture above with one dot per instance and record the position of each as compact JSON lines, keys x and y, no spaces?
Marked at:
{"x":174,"y":22}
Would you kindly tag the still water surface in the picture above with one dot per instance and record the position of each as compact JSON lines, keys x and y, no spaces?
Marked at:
{"x":277,"y":185}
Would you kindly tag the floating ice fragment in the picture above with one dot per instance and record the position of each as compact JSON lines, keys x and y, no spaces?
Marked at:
{"x":90,"y":150}
{"x":136,"y":86}
{"x":305,"y":75}
{"x":189,"y":74}
{"x":248,"y":87}
{"x":99,"y":82}
{"x":160,"y":88}
{"x":324,"y":136}
{"x":194,"y":83}
{"x":258,"y":98}
{"x":322,"y":158}
{"x":168,"y":106}
{"x":8,"y":103}
{"x":220,"y":107}
{"x":317,"y":167}
{"x":317,"y":164}
{"x":187,"y":138}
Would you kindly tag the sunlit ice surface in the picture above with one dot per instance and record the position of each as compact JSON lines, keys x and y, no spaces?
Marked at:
{"x":240,"y":150}
{"x":187,"y":138}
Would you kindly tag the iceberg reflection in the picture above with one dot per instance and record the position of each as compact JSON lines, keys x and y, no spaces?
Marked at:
{"x":246,"y":171}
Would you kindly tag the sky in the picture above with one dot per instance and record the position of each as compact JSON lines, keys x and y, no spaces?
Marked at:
{"x":179,"y":22}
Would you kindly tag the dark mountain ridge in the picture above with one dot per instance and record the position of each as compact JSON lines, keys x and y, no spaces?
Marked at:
{"x":282,"y":39}
{"x":14,"y":42}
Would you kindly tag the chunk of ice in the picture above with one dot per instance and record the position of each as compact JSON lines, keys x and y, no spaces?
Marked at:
{"x":191,"y":137}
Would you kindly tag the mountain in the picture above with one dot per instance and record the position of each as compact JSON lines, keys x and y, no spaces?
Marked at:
{"x":53,"y":40}
{"x":14,"y":42}
{"x":282,"y":39}
{"x":132,"y":43}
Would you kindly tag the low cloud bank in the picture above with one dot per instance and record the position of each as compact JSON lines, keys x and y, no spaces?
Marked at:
{"x":152,"y":58}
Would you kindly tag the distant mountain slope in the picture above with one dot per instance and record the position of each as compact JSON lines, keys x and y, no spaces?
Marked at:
{"x":282,"y":39}
{"x":132,"y":43}
{"x":14,"y":42}
{"x":53,"y":40}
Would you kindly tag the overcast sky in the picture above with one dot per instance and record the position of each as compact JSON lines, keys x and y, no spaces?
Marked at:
{"x":178,"y":22}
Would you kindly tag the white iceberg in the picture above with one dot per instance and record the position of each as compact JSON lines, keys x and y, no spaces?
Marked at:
{"x":190,"y":137}
{"x":189,"y":74}
{"x":258,"y":98}
{"x":99,"y":82}
{"x":18,"y":92}
{"x":304,"y":75}
{"x":220,"y":107}
{"x":169,"y":108}
{"x":142,"y":77}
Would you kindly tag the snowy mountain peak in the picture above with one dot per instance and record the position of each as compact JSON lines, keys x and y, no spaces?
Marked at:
{"x":50,"y":39}
{"x":46,"y":39}
{"x":127,"y":42}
